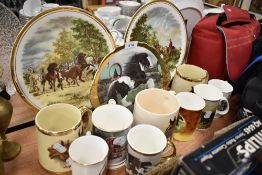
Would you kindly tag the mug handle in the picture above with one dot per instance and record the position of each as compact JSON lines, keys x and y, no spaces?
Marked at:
{"x":223,"y":106}
{"x":86,"y":119}
{"x":169,"y":151}
{"x":111,"y":102}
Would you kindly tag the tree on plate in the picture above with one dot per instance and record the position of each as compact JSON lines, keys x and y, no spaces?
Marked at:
{"x":90,"y":38}
{"x":64,"y":47}
{"x":144,"y":32}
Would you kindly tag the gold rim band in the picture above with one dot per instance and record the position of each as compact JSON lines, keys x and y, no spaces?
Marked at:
{"x":58,"y":133}
{"x":192,"y":79}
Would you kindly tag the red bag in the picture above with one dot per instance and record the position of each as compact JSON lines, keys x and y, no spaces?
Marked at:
{"x":222,"y":43}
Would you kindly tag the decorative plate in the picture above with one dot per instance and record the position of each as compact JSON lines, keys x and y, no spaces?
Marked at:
{"x":9,"y":28}
{"x":56,"y":55}
{"x":192,"y":12}
{"x":160,"y":24}
{"x":125,"y":72}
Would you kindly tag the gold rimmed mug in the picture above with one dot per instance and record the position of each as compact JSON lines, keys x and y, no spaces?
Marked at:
{"x":187,"y":76}
{"x":58,"y":125}
{"x":89,"y":155}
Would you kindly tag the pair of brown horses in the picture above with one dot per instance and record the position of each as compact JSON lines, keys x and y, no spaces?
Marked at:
{"x":53,"y":73}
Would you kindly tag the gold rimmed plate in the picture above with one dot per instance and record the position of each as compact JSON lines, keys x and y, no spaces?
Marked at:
{"x":160,"y":24}
{"x":56,"y":55}
{"x":125,"y":72}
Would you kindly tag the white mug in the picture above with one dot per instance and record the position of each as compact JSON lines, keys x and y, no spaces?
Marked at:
{"x":145,"y":145}
{"x":112,"y":123}
{"x":212,"y":96}
{"x":224,"y":86}
{"x":88,"y":155}
{"x":226,"y":89}
{"x":156,"y":107}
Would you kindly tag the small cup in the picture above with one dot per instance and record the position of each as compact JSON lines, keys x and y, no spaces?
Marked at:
{"x":89,"y":155}
{"x":57,"y":126}
{"x":112,"y":123}
{"x":187,"y":76}
{"x":156,"y":107}
{"x":212,"y":96}
{"x":145,"y":145}
{"x":190,"y":110}
{"x":226,"y":89}
{"x":129,"y":7}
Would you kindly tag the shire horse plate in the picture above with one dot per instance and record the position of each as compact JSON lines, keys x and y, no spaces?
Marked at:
{"x":125,"y":72}
{"x":56,"y":55}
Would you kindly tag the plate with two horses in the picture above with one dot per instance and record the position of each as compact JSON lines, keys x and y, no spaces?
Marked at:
{"x":125,"y":72}
{"x":56,"y":55}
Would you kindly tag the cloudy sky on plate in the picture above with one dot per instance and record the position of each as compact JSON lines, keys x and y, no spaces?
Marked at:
{"x":123,"y":56}
{"x":165,"y":25}
{"x":40,"y":42}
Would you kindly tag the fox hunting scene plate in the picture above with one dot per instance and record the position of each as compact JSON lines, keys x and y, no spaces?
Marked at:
{"x":56,"y":55}
{"x":125,"y":72}
{"x":160,"y":24}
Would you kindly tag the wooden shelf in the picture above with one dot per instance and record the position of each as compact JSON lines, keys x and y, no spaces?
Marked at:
{"x":27,"y":161}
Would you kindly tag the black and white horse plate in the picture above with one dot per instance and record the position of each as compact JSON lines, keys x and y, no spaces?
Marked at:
{"x":125,"y":72}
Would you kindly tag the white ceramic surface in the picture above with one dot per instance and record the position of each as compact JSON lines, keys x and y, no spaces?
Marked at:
{"x":32,"y":7}
{"x":88,"y":155}
{"x":208,"y":92}
{"x":190,"y":101}
{"x":146,"y":139}
{"x":224,"y":86}
{"x":156,"y":107}
{"x":112,"y":118}
{"x":145,"y":145}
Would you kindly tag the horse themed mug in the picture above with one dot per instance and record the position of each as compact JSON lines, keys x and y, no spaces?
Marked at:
{"x":57,"y":126}
{"x":145,"y":145}
{"x":190,"y":110}
{"x":112,"y":123}
{"x":212,"y":96}
{"x":226,"y":89}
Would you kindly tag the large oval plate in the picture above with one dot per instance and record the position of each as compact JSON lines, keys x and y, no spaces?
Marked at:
{"x":160,"y":24}
{"x":125,"y":72}
{"x":59,"y":46}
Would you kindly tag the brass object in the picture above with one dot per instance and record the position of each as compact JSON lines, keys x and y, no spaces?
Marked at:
{"x":9,"y":149}
{"x":2,"y":171}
